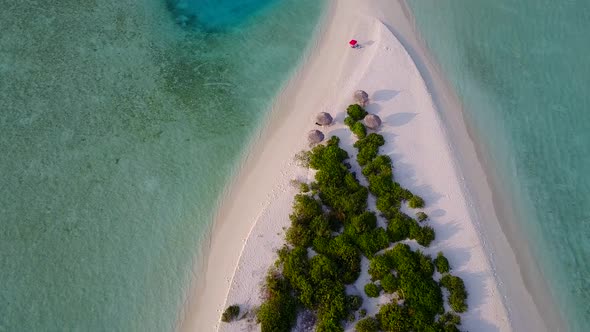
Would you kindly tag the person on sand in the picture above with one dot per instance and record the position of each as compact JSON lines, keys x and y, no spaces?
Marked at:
{"x":353,"y":43}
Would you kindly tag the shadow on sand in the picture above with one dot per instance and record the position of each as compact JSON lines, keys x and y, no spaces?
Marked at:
{"x":384,"y":95}
{"x":400,"y":119}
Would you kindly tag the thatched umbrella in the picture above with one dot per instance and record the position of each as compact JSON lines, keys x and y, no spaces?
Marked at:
{"x":324,"y":119}
{"x":361,"y":97}
{"x":372,"y":121}
{"x":315,"y":137}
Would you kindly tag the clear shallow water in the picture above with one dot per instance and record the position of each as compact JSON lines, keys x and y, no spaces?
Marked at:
{"x":120,"y":123}
{"x":521,"y":68}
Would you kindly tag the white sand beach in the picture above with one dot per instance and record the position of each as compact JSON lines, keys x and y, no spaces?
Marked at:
{"x":250,"y":225}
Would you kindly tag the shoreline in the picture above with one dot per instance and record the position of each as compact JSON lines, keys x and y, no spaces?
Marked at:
{"x":207,"y":291}
{"x":482,"y":186}
{"x":260,"y":190}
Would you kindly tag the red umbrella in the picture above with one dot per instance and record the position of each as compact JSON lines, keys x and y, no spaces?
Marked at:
{"x":352,"y":42}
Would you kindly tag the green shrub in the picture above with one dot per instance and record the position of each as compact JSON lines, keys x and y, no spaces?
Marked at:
{"x":277,"y":314}
{"x":364,"y":222}
{"x":372,"y":241}
{"x":305,"y":208}
{"x":441,"y":262}
{"x":354,"y":302}
{"x":320,"y":227}
{"x":362,"y":313}
{"x":379,"y":267}
{"x":378,"y":166}
{"x":416,"y":202}
{"x":351,"y":318}
{"x":381,"y":185}
{"x":348,"y":121}
{"x":322,"y":267}
{"x":304,"y":187}
{"x":426,"y":266}
{"x":448,"y":322}
{"x":349,"y":260}
{"x":321,"y":244}
{"x":331,"y":299}
{"x":398,"y":228}
{"x":368,"y":148}
{"x":415,"y":284}
{"x":335,"y":222}
{"x":425,"y":236}
{"x":356,"y":112}
{"x":279,"y":311}
{"x":389,"y":283}
{"x":302,"y":158}
{"x":368,"y":324}
{"x":359,"y":130}
{"x":415,"y":229}
{"x":421,"y":216}
{"x":372,"y":290}
{"x":327,"y":156}
{"x":299,"y":235}
{"x":458,"y":294}
{"x":387,"y":204}
{"x":450,"y":318}
{"x":231,"y":313}
{"x":393,"y":317}
{"x":295,"y":262}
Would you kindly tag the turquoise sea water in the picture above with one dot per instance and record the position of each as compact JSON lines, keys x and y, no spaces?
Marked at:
{"x":521,"y":68}
{"x":120,"y":123}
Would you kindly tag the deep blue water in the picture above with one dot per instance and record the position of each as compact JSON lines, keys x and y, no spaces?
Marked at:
{"x":521,"y":69}
{"x":216,"y":14}
{"x":120,"y":124}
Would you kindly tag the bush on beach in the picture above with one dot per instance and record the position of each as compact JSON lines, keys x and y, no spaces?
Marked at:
{"x":441,"y":262}
{"x":458,"y":294}
{"x":333,"y":222}
{"x":421,"y":216}
{"x":368,"y":148}
{"x":349,"y":122}
{"x":359,"y":130}
{"x":372,"y":290}
{"x":416,"y":202}
{"x":368,"y":324}
{"x":356,"y":112}
{"x":231,"y":313}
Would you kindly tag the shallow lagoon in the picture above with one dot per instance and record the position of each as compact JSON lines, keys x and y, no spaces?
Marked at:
{"x":520,"y":70}
{"x":120,"y":127}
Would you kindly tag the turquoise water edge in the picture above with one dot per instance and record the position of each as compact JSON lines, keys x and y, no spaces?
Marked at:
{"x":520,"y":68}
{"x":120,"y":124}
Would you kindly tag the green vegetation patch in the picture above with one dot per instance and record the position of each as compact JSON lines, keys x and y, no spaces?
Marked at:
{"x":368,"y":148}
{"x":458,"y":294}
{"x":416,"y":202}
{"x":441,"y":262}
{"x":372,"y":290}
{"x":421,"y":216}
{"x":369,"y":324}
{"x":359,"y":130}
{"x":356,"y":112}
{"x":330,"y":219}
{"x":231,"y":313}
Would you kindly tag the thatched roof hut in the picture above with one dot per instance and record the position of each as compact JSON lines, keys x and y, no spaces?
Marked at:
{"x":324,"y":119}
{"x":372,"y":121}
{"x":361,"y":97}
{"x":315,"y":137}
